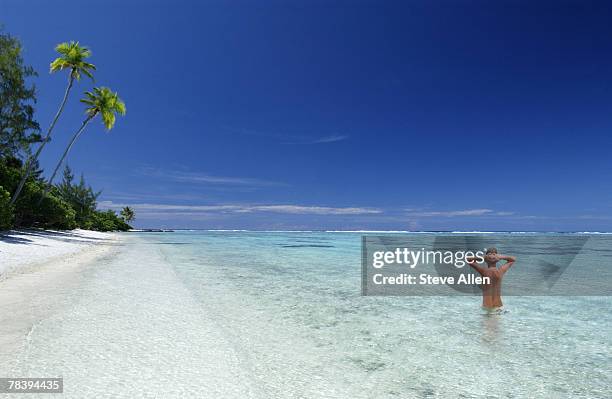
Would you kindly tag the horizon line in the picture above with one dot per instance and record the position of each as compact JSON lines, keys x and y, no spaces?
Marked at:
{"x":165,"y":229}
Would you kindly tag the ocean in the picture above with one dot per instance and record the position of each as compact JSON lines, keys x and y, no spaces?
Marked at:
{"x":234,"y":314}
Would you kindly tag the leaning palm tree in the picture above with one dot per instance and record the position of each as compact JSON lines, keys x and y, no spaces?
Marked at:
{"x":102,"y":101}
{"x":72,"y":57}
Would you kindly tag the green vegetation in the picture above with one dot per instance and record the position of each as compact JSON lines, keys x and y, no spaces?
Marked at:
{"x":72,"y":56}
{"x":18,"y":129}
{"x":128,"y":214}
{"x":26,"y":200}
{"x":6,"y":210}
{"x":101,"y":102}
{"x":108,"y":221}
{"x":80,"y":197}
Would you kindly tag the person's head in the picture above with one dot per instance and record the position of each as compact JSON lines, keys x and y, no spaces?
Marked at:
{"x":491,"y":256}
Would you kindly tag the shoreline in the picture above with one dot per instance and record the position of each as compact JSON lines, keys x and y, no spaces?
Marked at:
{"x":37,"y":268}
{"x":111,"y":320}
{"x":165,"y":316}
{"x":22,"y":251}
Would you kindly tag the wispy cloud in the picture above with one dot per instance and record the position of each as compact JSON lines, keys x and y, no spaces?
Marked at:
{"x":331,"y":139}
{"x":191,"y":210}
{"x":206,"y":178}
{"x":288,"y":138}
{"x":148,"y":196}
{"x":463,"y":212}
{"x":315,"y":210}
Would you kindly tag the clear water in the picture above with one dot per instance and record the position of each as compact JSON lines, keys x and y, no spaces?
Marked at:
{"x":279,"y":315}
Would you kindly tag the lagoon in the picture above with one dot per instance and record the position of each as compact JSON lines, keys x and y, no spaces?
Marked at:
{"x":280,"y":315}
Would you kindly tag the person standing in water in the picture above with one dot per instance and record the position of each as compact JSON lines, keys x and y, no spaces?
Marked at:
{"x":491,"y":292}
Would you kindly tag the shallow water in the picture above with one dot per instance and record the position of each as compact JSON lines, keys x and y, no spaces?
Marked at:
{"x":279,"y":315}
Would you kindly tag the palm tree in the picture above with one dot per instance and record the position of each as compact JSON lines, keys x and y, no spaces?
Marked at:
{"x":72,"y":57}
{"x":127,"y":214}
{"x":102,"y":101}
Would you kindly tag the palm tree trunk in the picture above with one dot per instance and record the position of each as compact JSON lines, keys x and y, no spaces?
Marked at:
{"x":66,"y":151}
{"x":32,"y":160}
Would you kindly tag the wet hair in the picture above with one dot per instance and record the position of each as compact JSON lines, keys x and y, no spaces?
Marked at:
{"x":491,"y":250}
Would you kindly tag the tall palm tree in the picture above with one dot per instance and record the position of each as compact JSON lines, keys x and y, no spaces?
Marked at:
{"x":72,"y":57}
{"x":102,"y":101}
{"x":127,"y":214}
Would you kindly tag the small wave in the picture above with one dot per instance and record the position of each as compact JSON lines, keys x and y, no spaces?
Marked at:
{"x":306,"y":246}
{"x":229,"y":231}
{"x":371,"y":231}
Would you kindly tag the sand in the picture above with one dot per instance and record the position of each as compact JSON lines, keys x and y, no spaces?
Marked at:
{"x":36,"y":269}
{"x":24,"y":250}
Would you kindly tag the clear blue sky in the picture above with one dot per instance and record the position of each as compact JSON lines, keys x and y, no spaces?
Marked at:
{"x":446,"y":115}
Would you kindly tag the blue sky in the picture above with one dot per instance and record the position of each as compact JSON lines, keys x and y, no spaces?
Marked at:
{"x":448,"y":115}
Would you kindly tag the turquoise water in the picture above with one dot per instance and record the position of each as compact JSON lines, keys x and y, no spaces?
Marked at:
{"x":279,"y":315}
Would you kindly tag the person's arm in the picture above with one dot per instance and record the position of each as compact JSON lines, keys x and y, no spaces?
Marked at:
{"x":472,"y":262}
{"x":509,"y":262}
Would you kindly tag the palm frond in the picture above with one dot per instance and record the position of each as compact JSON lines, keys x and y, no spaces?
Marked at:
{"x":108,"y":118}
{"x":105,"y":102}
{"x":58,"y":64}
{"x":72,"y":56}
{"x":120,"y":106}
{"x":64,"y":48}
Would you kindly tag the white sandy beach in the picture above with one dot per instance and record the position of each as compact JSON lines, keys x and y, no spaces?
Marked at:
{"x":36,"y":268}
{"x":26,"y":249}
{"x":114,"y":320}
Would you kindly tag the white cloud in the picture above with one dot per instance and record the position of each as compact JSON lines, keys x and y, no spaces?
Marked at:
{"x":205,"y":178}
{"x":192,"y":210}
{"x":316,"y":210}
{"x":331,"y":139}
{"x":290,"y":138}
{"x":464,"y":212}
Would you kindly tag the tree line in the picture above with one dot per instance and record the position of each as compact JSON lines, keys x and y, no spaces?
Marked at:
{"x":26,"y":198}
